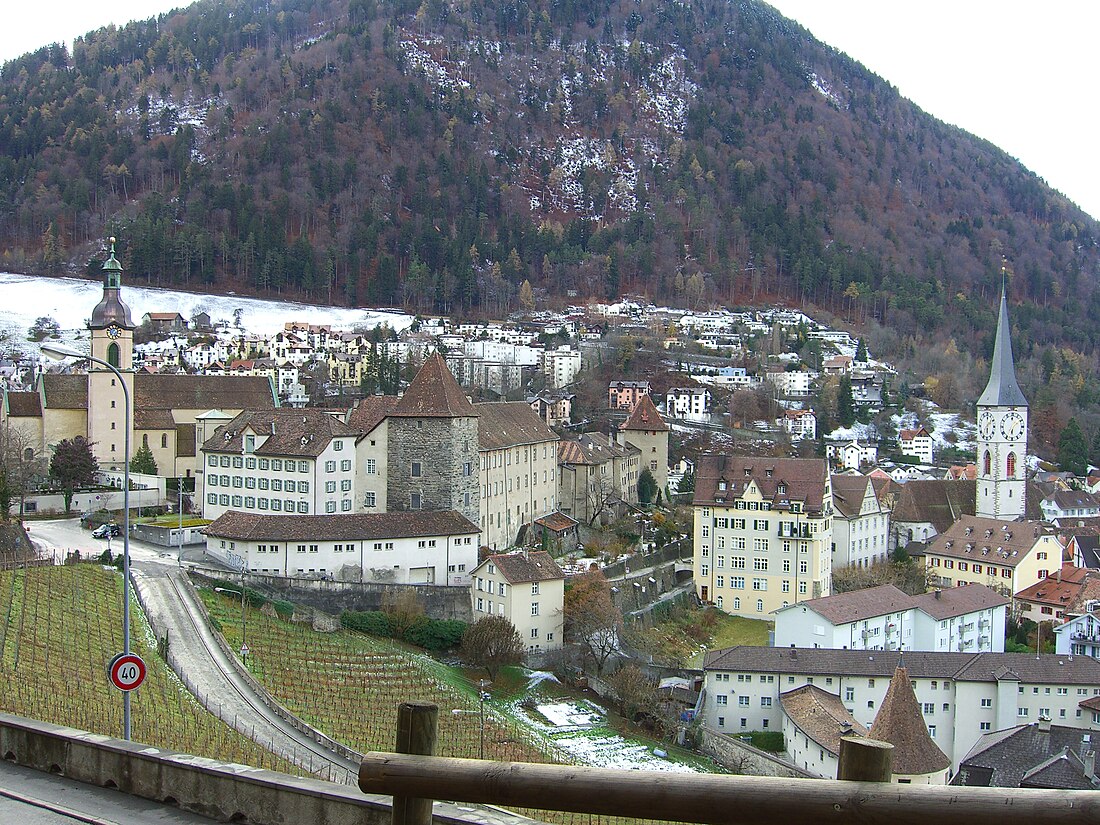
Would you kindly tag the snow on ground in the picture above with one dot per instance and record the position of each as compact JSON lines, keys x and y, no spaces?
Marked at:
{"x":863,"y":432}
{"x":941,"y":424}
{"x":69,"y":301}
{"x":579,"y":729}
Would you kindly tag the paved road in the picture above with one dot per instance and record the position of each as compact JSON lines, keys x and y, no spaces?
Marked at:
{"x":194,"y":653}
{"x":31,"y":797}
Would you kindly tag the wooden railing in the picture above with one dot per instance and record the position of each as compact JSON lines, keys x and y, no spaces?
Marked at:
{"x":414,"y":778}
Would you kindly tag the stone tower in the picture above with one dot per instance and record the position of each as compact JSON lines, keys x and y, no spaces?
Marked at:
{"x":432,"y":452}
{"x":647,"y":431}
{"x":1002,"y":433}
{"x":112,"y":334}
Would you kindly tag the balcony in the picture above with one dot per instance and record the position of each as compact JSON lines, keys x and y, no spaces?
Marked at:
{"x":794,"y":531}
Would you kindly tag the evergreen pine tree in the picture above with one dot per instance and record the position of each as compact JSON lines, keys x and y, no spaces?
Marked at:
{"x":1073,"y":450}
{"x":845,"y":403}
{"x":861,"y":351}
{"x":143,"y":461}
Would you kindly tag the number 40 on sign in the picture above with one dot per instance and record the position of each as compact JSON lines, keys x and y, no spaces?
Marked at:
{"x":126,"y":671}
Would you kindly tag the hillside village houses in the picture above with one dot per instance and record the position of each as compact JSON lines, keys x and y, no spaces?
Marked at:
{"x":916,"y":443}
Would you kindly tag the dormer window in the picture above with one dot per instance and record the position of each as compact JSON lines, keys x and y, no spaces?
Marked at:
{"x":768,"y":472}
{"x":782,"y":490}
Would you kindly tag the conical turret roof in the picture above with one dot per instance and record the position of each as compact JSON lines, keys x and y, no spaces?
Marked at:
{"x":1002,"y":389}
{"x":434,"y":393}
{"x":900,"y":722}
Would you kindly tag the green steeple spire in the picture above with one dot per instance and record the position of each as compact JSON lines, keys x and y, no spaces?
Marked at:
{"x":112,"y":270}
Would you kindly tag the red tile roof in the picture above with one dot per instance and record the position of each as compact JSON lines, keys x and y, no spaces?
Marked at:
{"x":434,"y":393}
{"x":645,"y":417}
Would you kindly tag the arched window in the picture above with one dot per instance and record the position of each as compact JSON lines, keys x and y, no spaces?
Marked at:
{"x":987,"y":463}
{"x":1011,"y":467}
{"x":164,"y":441}
{"x":113,"y":356}
{"x":145,"y":440}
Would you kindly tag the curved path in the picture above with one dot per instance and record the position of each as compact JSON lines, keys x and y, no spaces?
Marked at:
{"x":198,"y":660}
{"x":207,"y":670}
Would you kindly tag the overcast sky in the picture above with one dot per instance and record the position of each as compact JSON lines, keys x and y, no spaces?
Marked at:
{"x":1023,"y":75}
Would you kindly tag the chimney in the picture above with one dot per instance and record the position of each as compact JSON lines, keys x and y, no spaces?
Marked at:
{"x":1044,"y":724}
{"x":794,"y":653}
{"x":1089,"y":764}
{"x":937,"y":594}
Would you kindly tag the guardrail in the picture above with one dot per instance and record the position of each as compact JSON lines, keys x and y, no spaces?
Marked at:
{"x":415,"y":778}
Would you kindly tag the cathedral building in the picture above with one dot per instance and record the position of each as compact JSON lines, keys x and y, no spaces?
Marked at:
{"x":164,"y":408}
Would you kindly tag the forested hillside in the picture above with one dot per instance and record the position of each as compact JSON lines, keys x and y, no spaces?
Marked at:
{"x":435,"y":155}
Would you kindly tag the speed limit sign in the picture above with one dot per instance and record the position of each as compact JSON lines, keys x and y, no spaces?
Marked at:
{"x":126,"y":671}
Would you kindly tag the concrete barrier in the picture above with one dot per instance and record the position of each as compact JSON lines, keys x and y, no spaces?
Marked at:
{"x":223,"y":791}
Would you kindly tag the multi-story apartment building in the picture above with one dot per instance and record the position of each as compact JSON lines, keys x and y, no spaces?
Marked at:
{"x":437,"y":548}
{"x":1005,"y":555}
{"x":763,"y":532}
{"x":528,"y":589}
{"x":561,"y":366}
{"x":962,"y":695}
{"x":517,"y":470}
{"x":969,"y":619}
{"x":279,"y":461}
{"x":861,"y":523}
{"x":623,"y":395}
{"x":851,"y":454}
{"x":555,"y":408}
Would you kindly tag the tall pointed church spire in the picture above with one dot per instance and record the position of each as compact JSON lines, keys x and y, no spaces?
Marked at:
{"x":1002,"y":389}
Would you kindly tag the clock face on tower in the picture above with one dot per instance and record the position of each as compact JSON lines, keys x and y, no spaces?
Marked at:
{"x":1012,"y":426}
{"x":987,"y":425}
{"x":114,"y":330}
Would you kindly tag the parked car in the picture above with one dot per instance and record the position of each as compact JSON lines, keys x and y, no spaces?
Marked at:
{"x":105,"y":530}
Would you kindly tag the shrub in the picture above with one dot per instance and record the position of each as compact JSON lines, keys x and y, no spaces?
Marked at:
{"x":374,"y":622}
{"x":768,"y":740}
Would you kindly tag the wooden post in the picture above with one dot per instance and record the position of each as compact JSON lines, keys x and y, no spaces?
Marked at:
{"x":865,"y":760}
{"x":417,"y":723}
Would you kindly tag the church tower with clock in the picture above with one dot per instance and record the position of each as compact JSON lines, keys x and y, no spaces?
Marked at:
{"x":112,"y":334}
{"x":1002,"y":433}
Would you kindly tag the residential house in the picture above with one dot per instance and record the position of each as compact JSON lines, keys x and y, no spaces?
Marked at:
{"x":428,"y":548}
{"x":970,"y":619}
{"x":916,"y":443}
{"x":851,"y":454}
{"x":837,"y":365}
{"x":690,"y":403}
{"x":169,"y":323}
{"x":861,"y":523}
{"x":623,"y":395}
{"x":526,"y":588}
{"x":962,"y":695}
{"x":553,"y":407}
{"x":799,"y":424}
{"x":368,"y":418}
{"x":1005,"y":555}
{"x":762,"y":532}
{"x":793,"y":384}
{"x":814,"y":722}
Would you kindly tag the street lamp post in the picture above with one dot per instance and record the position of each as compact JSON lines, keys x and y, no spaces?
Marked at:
{"x":60,"y":352}
{"x":244,"y":643}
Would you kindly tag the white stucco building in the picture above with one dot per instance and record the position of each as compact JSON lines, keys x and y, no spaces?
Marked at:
{"x":968,"y":619}
{"x":861,"y":524}
{"x":962,"y":695}
{"x":435,"y":548}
